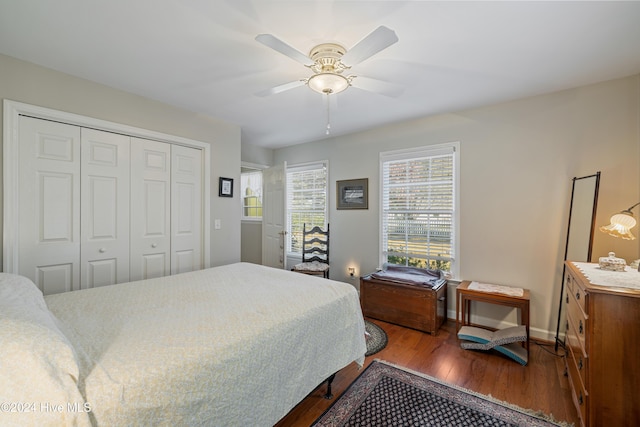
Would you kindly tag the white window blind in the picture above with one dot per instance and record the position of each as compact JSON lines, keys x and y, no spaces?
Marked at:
{"x":306,"y":201}
{"x":418,"y":207}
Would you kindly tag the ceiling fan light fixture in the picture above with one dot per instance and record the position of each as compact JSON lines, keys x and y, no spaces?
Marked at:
{"x":328,"y":83}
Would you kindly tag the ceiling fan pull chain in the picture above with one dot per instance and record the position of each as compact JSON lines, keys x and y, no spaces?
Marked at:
{"x":328,"y":115}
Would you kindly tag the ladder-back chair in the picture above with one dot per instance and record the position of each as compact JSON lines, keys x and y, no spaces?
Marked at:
{"x":315,"y":252}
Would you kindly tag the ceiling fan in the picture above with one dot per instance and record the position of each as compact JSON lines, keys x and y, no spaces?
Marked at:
{"x":329,"y":61}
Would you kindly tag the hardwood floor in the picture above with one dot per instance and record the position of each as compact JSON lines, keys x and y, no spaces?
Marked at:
{"x":540,"y":386}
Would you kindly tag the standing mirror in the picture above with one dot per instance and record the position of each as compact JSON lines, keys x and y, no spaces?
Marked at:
{"x":579,"y":244}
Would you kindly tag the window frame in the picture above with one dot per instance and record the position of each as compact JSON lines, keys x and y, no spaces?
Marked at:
{"x":300,"y":167}
{"x":417,"y":152}
{"x":254,"y":169}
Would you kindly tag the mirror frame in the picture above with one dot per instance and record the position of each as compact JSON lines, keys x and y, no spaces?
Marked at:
{"x":574,"y":210}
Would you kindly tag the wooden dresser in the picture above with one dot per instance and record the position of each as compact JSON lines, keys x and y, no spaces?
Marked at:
{"x":603,"y":346}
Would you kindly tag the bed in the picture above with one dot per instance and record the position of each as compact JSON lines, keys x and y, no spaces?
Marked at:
{"x":240,"y":344}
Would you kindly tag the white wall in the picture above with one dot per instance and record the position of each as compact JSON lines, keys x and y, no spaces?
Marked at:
{"x":31,"y":84}
{"x":517,"y":160}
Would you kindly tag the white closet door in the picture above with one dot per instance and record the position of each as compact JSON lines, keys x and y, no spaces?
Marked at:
{"x":150,"y":209}
{"x":186,"y":209}
{"x":105,"y":164}
{"x":49,"y":204}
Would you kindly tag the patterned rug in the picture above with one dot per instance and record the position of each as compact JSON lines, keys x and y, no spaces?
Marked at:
{"x":376,"y":338}
{"x":384,"y":395}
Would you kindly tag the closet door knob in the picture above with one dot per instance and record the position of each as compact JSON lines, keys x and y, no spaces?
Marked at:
{"x":153,"y":245}
{"x":102,"y":250}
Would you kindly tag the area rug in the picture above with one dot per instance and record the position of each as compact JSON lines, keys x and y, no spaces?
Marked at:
{"x":376,"y":338}
{"x":385,"y":395}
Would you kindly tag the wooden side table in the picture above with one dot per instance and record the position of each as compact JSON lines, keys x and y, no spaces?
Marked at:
{"x":464,"y":296}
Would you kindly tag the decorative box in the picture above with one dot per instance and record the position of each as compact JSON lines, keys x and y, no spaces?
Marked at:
{"x":612,"y":263}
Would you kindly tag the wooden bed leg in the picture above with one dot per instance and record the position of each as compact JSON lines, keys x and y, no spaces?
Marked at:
{"x":328,"y":395}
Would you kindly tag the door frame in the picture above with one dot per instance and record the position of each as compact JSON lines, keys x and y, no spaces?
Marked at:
{"x":11,"y":140}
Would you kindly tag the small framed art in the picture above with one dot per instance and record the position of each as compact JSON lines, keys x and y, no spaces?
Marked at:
{"x":352,"y":194}
{"x":225,"y":187}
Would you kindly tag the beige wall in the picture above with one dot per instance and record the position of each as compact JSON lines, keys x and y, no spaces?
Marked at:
{"x":251,"y":246}
{"x":517,"y":161}
{"x":31,"y":84}
{"x":257,"y":155}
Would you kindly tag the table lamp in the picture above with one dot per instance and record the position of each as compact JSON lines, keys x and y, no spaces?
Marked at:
{"x":621,"y":225}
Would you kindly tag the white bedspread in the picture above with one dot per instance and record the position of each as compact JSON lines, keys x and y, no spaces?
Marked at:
{"x":233,"y":345}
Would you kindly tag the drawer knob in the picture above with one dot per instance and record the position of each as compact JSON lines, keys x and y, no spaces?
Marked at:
{"x":567,"y":299}
{"x":580,"y":364}
{"x":580,"y":327}
{"x":102,"y":250}
{"x":580,"y":398}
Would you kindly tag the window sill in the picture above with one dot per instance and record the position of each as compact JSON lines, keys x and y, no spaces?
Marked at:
{"x":251,"y":220}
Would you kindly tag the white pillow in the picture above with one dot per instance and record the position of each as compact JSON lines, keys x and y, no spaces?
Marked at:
{"x":38,"y":366}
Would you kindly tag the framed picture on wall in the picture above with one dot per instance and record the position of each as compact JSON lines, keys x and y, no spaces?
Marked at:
{"x":352,"y":194}
{"x":225,"y":187}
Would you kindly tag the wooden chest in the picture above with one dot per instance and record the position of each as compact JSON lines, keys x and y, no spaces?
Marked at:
{"x":418,"y":307}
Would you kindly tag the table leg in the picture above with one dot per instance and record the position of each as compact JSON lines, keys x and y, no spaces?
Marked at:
{"x":525,"y":321}
{"x":467,"y":306}
{"x":457,"y":310}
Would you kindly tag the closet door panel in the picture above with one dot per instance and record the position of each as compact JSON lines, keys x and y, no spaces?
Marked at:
{"x":150,"y":209}
{"x":186,"y":209}
{"x":105,"y":192}
{"x":49,"y":204}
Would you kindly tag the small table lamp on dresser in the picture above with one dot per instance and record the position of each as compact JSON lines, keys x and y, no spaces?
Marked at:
{"x":621,"y":225}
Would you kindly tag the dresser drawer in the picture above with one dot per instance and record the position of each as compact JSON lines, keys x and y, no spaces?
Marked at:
{"x":578,"y":327}
{"x":580,"y":361}
{"x":575,"y":290}
{"x":578,"y":391}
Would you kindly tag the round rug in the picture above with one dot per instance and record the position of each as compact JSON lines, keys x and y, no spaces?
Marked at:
{"x":376,"y":338}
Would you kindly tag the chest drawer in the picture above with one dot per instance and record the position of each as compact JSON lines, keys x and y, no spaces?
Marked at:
{"x":577,"y":356}
{"x":574,"y":290}
{"x":578,"y":323}
{"x":578,"y":390}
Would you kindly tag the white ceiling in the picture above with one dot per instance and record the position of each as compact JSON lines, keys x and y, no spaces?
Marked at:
{"x":201,"y":55}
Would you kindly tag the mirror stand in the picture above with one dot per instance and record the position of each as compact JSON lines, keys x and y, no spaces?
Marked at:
{"x":580,"y":228}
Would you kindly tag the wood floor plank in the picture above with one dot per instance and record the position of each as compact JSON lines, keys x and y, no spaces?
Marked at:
{"x":540,"y":386}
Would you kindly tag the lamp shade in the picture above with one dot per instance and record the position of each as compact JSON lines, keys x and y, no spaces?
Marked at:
{"x":327,"y":83}
{"x":621,"y":225}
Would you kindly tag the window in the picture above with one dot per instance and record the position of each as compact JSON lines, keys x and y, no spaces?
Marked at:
{"x":418,"y":212}
{"x":306,"y":201}
{"x":251,"y":194}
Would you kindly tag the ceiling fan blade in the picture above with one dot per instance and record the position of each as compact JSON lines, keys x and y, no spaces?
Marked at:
{"x":280,"y":88}
{"x":377,"y":86}
{"x":275,"y":43}
{"x":380,"y":39}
